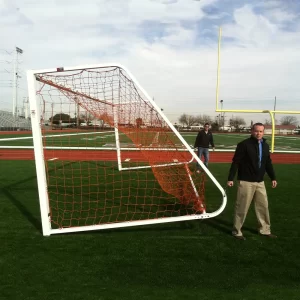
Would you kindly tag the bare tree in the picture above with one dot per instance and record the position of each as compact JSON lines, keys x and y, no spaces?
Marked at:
{"x":202,"y":119}
{"x":237,"y":122}
{"x":60,"y":117}
{"x":268,"y":122}
{"x":187,"y":120}
{"x":289,"y":120}
{"x":215,"y":126}
{"x":87,"y":117}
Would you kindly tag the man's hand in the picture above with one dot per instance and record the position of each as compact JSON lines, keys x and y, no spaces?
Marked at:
{"x":274,"y":184}
{"x":230,"y":183}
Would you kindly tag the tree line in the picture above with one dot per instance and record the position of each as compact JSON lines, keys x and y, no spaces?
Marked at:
{"x":187,"y":120}
{"x":87,"y":118}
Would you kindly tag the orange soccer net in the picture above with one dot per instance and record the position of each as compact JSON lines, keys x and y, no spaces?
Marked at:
{"x":111,"y":155}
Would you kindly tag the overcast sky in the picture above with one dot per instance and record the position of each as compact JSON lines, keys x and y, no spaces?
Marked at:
{"x":169,"y":45}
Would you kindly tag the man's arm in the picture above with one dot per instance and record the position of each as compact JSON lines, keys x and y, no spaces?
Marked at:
{"x":270,"y":171}
{"x":269,"y":168}
{"x":212,"y":140}
{"x":236,"y":160}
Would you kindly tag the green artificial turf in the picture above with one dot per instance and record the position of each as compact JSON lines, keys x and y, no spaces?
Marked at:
{"x":185,"y":260}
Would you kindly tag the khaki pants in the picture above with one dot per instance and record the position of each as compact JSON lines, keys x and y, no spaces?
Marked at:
{"x":248,"y":191}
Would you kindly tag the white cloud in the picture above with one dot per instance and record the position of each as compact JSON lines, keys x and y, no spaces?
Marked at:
{"x":258,"y":62}
{"x":250,"y":29}
{"x":278,"y":15}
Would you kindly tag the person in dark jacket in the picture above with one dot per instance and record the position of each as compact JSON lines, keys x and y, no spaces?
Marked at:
{"x":203,"y":139}
{"x":252,"y":160}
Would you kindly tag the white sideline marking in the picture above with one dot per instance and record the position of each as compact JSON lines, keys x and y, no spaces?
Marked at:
{"x":58,"y":135}
{"x":127,"y":159}
{"x":15,"y":139}
{"x":53,"y":158}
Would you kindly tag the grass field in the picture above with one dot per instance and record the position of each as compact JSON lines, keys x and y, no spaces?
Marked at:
{"x":187,"y":260}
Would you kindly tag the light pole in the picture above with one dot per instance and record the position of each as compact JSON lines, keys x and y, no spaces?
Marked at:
{"x":15,"y":81}
{"x":77,"y":116}
{"x":52,"y":104}
{"x":151,"y":117}
{"x":222,"y":117}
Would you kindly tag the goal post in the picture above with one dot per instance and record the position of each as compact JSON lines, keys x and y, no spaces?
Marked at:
{"x":117,"y":160}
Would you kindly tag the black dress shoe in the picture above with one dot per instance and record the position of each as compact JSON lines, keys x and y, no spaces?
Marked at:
{"x":239,"y":237}
{"x":270,"y":235}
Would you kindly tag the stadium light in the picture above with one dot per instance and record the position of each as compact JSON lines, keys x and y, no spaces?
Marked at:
{"x":222,"y":116}
{"x":15,"y":82}
{"x":19,"y":50}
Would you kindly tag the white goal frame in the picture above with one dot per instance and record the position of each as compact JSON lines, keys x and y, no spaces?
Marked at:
{"x":35,"y":115}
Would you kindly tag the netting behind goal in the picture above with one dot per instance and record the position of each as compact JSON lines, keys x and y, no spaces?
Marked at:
{"x":110,"y":155}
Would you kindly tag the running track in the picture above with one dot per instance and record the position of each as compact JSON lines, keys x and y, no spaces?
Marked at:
{"x":88,"y":155}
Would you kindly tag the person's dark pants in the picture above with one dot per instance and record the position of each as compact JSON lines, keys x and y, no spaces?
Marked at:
{"x":205,"y":153}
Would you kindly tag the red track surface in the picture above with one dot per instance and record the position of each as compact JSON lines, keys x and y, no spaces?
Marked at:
{"x":15,"y":132}
{"x":80,"y":155}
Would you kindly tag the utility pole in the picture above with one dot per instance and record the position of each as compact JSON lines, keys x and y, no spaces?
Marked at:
{"x":151,"y":115}
{"x":7,"y":61}
{"x":26,"y":107}
{"x":52,"y":104}
{"x":15,"y":81}
{"x":78,"y":116}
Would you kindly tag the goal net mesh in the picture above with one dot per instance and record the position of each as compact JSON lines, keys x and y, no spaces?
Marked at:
{"x":79,"y":113}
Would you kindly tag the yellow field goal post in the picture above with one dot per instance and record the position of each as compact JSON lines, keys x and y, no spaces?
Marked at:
{"x":270,"y":112}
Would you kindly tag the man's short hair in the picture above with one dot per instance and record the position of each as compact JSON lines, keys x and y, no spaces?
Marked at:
{"x":257,"y":124}
{"x":206,"y":124}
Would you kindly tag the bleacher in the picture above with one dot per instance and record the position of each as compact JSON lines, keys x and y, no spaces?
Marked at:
{"x":9,"y":122}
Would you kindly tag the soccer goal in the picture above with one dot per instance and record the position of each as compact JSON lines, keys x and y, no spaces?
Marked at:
{"x":107,"y":156}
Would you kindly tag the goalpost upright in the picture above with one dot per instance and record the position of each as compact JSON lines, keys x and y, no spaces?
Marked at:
{"x":35,"y":115}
